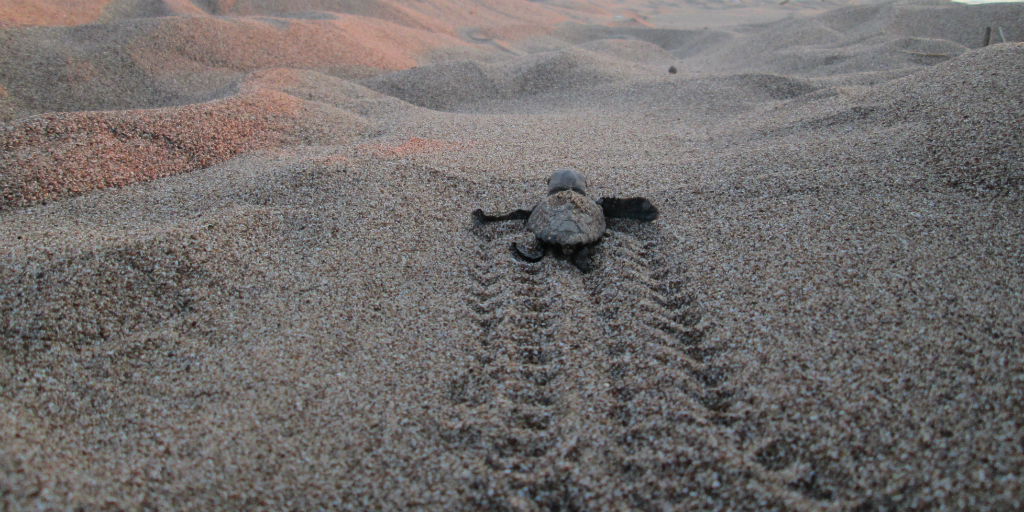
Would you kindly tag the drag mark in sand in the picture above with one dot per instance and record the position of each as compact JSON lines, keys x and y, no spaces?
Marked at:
{"x":658,"y":355}
{"x":577,"y":382}
{"x":510,"y":408}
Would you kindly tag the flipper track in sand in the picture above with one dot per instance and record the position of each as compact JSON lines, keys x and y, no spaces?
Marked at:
{"x":585,"y":383}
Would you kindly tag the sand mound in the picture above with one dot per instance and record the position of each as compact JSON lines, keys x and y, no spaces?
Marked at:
{"x":771,"y":87}
{"x":450,"y":86}
{"x":52,"y":156}
{"x":848,"y":40}
{"x":639,"y":52}
{"x":569,"y":69}
{"x":384,"y":10}
{"x":6,"y":106}
{"x":971,"y":109}
{"x":87,"y":67}
{"x":682,"y":43}
{"x":438,"y":16}
{"x":438,"y":86}
{"x":177,"y":60}
{"x":572,"y":7}
{"x":958,"y":23}
{"x":121,"y":10}
{"x":958,"y":118}
{"x":50,"y":12}
{"x":348,"y":42}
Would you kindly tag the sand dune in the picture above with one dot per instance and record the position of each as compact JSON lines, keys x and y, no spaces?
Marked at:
{"x":239,"y":270}
{"x":859,"y":39}
{"x":51,"y":12}
{"x":177,"y":60}
{"x":449,"y":86}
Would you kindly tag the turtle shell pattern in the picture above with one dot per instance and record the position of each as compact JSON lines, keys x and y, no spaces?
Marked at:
{"x":568,"y":219}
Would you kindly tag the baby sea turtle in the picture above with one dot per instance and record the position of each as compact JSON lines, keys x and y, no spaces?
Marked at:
{"x":566,"y":218}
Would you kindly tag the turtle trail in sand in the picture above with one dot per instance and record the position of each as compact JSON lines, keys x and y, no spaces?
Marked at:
{"x":568,"y":219}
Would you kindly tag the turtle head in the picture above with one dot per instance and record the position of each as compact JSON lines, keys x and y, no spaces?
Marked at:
{"x":567,"y":179}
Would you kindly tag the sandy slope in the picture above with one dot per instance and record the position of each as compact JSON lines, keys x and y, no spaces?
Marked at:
{"x":299,"y":314}
{"x":50,"y":12}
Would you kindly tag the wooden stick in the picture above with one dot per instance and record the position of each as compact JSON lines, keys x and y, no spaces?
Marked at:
{"x":988,"y":36}
{"x":1001,"y":36}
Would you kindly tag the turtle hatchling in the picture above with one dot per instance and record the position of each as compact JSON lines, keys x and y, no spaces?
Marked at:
{"x":569,"y":219}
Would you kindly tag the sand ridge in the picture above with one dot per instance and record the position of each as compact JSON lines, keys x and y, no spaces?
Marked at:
{"x":235,"y":279}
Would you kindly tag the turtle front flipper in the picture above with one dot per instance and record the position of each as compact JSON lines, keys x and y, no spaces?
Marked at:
{"x":532,"y":257}
{"x":635,"y":208}
{"x":479,"y":218}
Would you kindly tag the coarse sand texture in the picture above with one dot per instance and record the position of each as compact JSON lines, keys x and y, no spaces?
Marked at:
{"x":239,"y":268}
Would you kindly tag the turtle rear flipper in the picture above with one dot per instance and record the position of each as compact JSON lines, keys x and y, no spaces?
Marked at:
{"x":479,"y":218}
{"x":581,"y":260}
{"x":635,"y":208}
{"x":532,"y":257}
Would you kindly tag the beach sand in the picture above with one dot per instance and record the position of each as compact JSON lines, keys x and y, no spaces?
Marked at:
{"x":238,"y":267}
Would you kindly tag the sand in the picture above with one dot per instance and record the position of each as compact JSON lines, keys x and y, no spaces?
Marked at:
{"x":239,"y":270}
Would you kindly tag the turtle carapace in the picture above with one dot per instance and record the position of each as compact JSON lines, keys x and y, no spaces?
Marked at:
{"x":568,"y":219}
